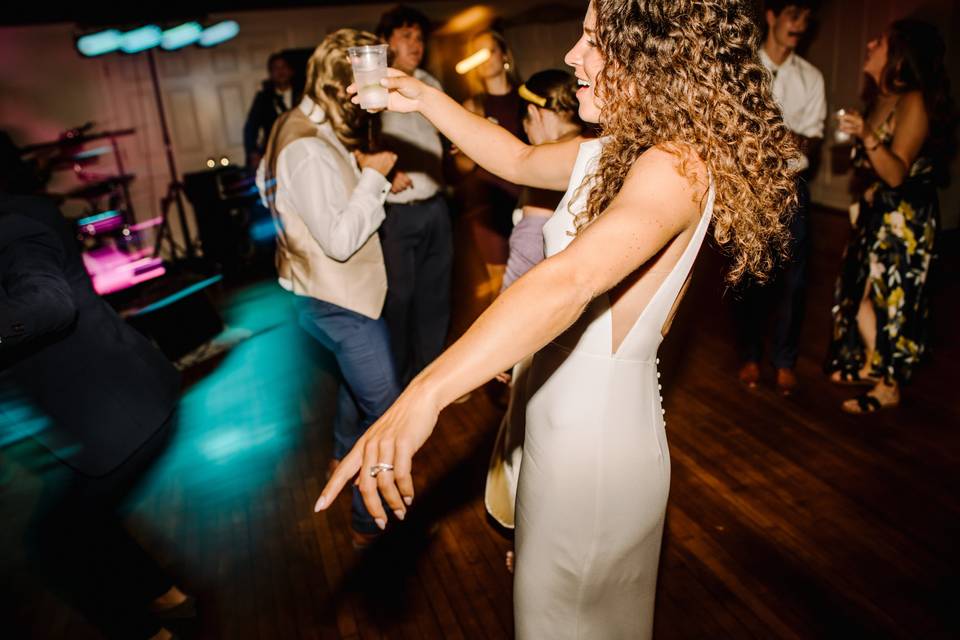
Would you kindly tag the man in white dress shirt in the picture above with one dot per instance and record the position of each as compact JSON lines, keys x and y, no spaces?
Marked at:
{"x":327,"y":200}
{"x":416,"y":236}
{"x":799,"y":90}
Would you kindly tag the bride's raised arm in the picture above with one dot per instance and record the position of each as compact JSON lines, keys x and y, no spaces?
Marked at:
{"x":491,"y":146}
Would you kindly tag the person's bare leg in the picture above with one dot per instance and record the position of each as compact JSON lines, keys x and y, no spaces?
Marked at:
{"x":867,"y":325}
{"x":867,"y":328}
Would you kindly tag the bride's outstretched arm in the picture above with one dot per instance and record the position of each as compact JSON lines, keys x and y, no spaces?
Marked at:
{"x":491,"y":146}
{"x":653,"y":206}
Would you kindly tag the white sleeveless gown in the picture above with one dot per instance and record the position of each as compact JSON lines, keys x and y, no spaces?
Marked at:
{"x":595,"y":469}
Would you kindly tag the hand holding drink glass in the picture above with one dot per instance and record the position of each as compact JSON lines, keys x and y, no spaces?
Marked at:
{"x":369,"y":68}
{"x":839,"y":135}
{"x":850,"y":124}
{"x":401,"y":93}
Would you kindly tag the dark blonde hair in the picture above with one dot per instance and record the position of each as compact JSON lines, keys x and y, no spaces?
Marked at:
{"x":684,"y":75}
{"x":558,"y":90}
{"x":328,"y":74}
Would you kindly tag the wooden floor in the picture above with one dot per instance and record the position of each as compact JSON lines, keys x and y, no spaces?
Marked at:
{"x":787,"y":519}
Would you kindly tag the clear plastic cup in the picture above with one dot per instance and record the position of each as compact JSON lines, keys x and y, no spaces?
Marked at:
{"x":369,"y":67}
{"x":840,"y":137}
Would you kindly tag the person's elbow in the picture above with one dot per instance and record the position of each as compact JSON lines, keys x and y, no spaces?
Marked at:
{"x":574,"y":285}
{"x":64,"y":316}
{"x":341,"y":251}
{"x":895,"y":183}
{"x":896,"y":177}
{"x":61,"y":310}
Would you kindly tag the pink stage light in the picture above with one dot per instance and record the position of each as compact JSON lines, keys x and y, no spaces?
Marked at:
{"x":113,"y":270}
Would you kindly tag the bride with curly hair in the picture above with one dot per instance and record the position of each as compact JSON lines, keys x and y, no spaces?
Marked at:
{"x":691,"y":138}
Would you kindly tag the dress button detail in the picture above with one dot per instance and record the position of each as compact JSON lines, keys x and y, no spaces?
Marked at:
{"x":659,"y":387}
{"x":663,"y":411}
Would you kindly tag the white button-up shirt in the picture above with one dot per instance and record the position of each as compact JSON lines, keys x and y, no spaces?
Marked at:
{"x":309,"y":184}
{"x":798,"y":89}
{"x":418,"y":147}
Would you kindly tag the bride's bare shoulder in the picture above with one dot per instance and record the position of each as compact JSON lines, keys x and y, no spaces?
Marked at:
{"x":670,"y":173}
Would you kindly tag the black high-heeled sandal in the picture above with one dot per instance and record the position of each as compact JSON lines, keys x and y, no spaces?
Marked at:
{"x":847,"y":378}
{"x":867,"y":403}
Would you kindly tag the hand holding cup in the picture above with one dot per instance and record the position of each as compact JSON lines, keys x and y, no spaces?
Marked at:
{"x":850,"y":122}
{"x":404,"y":92}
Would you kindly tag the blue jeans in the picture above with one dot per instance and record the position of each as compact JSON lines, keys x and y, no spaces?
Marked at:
{"x":369,"y":382}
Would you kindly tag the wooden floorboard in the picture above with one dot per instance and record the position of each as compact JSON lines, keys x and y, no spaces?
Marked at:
{"x":787,"y":519}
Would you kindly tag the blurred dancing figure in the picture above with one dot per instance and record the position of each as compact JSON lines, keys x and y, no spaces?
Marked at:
{"x":799,"y":91}
{"x":111,"y":398}
{"x":416,"y":236}
{"x":327,"y":199}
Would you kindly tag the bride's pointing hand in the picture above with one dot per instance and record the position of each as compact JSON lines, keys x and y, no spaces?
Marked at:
{"x":404,"y":91}
{"x":391,"y":441}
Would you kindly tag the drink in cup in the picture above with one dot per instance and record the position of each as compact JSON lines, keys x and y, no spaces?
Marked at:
{"x":369,"y":67}
{"x":840,"y":137}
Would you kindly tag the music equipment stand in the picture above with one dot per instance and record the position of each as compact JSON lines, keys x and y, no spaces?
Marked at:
{"x":174,"y":195}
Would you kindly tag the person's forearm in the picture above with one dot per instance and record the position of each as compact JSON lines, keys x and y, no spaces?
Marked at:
{"x":536,"y":309}
{"x":887,"y":165}
{"x":36,"y":305}
{"x":488,"y":144}
{"x":340,"y":232}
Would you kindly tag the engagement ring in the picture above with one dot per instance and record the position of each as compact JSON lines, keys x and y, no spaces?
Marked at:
{"x":380,"y":466}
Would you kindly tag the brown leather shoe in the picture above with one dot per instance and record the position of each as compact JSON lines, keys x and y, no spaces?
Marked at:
{"x":786,"y":381}
{"x":749,"y":375}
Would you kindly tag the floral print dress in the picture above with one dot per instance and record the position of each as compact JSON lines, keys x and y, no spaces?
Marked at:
{"x":889,"y":257}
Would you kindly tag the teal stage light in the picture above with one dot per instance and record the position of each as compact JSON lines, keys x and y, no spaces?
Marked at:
{"x":100,"y":43}
{"x":150,"y":36}
{"x":219,"y":33}
{"x":141,"y":39}
{"x":181,"y":36}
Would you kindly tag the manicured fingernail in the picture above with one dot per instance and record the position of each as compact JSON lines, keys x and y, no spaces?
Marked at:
{"x":381,"y":523}
{"x":407,"y":500}
{"x":321,"y":503}
{"x":400,"y":513}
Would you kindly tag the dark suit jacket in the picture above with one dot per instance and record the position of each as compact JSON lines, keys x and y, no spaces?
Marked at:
{"x":105,"y":387}
{"x":266,"y":108}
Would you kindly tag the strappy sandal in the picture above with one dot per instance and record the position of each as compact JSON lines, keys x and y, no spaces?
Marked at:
{"x":866,"y":403}
{"x":846,"y":378}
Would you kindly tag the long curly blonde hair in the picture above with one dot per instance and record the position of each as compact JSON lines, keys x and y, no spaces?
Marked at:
{"x":328,"y":74}
{"x":684,"y":74}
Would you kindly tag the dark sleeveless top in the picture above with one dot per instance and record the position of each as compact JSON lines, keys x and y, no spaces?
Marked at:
{"x":506,"y":111}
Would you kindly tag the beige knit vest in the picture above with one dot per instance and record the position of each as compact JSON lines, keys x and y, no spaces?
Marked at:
{"x":359,"y":283}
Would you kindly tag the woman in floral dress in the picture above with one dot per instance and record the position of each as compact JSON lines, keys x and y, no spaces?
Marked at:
{"x":881,"y":309}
